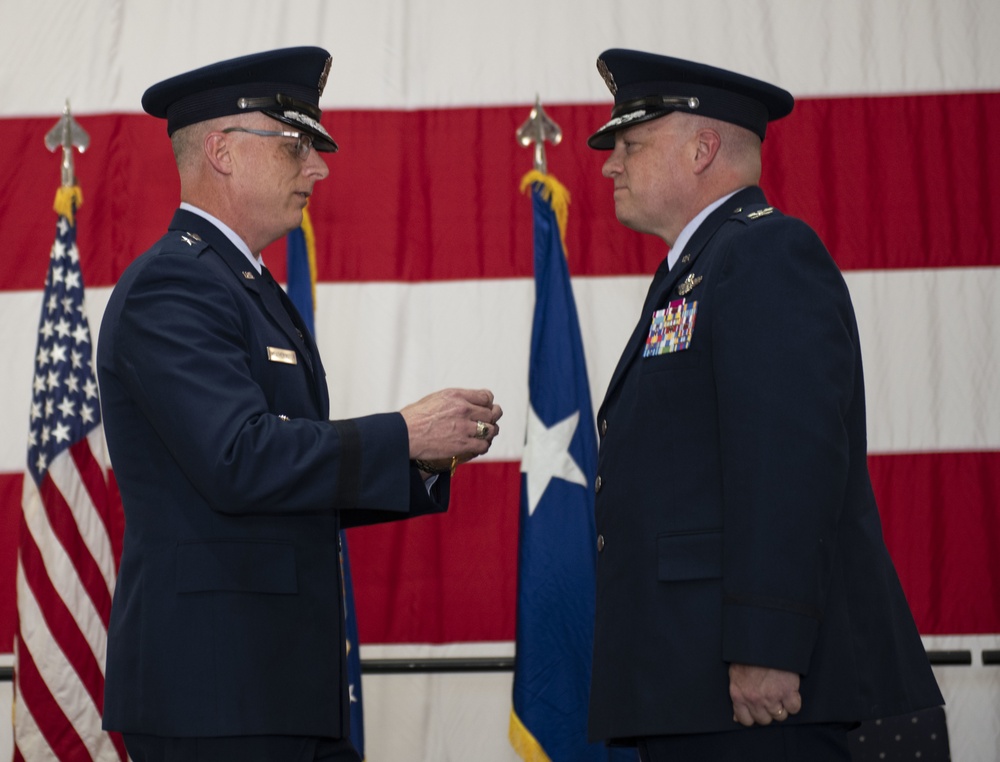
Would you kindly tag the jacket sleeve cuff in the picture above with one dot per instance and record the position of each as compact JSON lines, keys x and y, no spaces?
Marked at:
{"x":763,"y":636}
{"x":374,"y":467}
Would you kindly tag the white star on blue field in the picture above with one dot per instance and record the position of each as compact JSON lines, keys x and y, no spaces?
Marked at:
{"x":546,"y":456}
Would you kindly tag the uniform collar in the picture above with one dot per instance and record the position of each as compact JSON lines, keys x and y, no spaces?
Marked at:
{"x":238,"y":242}
{"x":685,"y":235}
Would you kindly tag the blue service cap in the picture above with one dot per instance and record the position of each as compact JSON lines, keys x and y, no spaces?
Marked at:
{"x":647,"y":86}
{"x":285,"y":84}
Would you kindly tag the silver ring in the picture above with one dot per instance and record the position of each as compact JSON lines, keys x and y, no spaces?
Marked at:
{"x":482,"y":430}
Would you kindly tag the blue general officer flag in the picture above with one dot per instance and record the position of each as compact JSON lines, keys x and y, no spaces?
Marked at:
{"x":557,"y":537}
{"x":302,"y":291}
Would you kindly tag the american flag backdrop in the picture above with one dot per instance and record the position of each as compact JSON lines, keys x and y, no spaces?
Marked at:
{"x":66,"y":558}
{"x":424,"y":268}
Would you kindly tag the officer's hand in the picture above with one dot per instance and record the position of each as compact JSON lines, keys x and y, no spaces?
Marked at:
{"x":452,"y":422}
{"x":761,"y":695}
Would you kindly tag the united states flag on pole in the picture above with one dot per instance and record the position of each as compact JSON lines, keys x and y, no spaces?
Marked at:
{"x":66,"y":560}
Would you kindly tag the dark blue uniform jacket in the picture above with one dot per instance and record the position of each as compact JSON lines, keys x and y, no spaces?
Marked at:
{"x":228,"y":614}
{"x":734,"y":509}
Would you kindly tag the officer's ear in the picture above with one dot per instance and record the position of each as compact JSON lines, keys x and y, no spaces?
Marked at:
{"x":707,"y":142}
{"x":217,"y":151}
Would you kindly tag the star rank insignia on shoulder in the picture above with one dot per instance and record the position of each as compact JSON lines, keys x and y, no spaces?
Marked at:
{"x":688,"y":284}
{"x":190,"y":238}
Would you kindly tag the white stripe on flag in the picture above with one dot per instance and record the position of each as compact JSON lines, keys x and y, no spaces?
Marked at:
{"x":28,"y":736}
{"x":68,"y":480}
{"x":930,"y":373}
{"x":106,"y":53}
{"x":61,"y":573}
{"x":931,"y":350}
{"x":58,"y":678}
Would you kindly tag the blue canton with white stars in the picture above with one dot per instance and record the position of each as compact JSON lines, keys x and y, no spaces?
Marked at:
{"x":64,"y":402}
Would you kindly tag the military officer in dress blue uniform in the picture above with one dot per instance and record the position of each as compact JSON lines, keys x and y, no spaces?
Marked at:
{"x":747,"y":608}
{"x":226,"y":639}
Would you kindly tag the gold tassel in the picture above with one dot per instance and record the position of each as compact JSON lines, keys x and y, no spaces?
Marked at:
{"x":556,"y":194}
{"x":68,"y":199}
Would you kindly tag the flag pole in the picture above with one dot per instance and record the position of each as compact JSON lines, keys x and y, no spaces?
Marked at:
{"x":67,"y":134}
{"x":538,"y":128}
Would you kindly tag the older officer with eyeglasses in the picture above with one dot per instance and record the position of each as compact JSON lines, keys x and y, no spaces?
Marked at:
{"x":227,"y":639}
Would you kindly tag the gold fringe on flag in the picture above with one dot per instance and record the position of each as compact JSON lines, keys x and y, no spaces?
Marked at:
{"x":525,"y":744}
{"x":68,"y":199}
{"x":556,"y":194}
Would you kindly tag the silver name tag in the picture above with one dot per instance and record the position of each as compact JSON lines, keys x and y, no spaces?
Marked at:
{"x":287,"y":356}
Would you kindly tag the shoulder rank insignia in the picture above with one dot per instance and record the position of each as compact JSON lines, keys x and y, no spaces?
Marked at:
{"x":760,"y":213}
{"x":688,"y":284}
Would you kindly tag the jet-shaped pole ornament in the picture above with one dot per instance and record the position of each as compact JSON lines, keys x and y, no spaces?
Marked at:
{"x":67,"y":134}
{"x":539,"y":128}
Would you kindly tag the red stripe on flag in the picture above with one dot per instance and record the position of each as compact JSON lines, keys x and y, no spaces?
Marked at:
{"x":443,"y":578}
{"x":880,"y":182}
{"x":67,"y":532}
{"x":60,"y":620}
{"x":940,"y":523}
{"x":452,"y":578}
{"x":103,"y":494}
{"x":10,"y":530}
{"x":52,"y":722}
{"x":906,"y":201}
{"x":942,"y":528}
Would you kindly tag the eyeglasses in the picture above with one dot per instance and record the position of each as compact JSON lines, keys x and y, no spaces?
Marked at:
{"x":303,"y":142}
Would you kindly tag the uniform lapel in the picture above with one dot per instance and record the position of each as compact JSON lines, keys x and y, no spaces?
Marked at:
{"x":664,"y":281}
{"x":280,"y":307}
{"x":275,"y":303}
